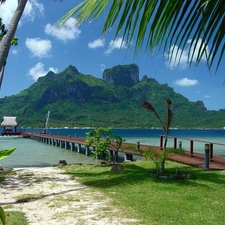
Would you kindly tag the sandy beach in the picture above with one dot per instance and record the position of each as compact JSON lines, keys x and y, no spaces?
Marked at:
{"x":48,"y":196}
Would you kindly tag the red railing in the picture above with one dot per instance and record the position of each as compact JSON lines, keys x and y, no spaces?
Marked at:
{"x":211,"y":144}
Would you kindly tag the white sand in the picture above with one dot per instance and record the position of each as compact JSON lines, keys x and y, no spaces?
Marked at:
{"x":60,"y":200}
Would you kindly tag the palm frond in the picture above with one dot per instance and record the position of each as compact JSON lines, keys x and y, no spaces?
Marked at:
{"x":167,"y":24}
{"x":150,"y":108}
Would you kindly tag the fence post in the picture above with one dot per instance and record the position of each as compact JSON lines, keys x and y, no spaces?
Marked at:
{"x":175,"y":143}
{"x":206,"y":156}
{"x":211,"y":151}
{"x":191,"y":148}
{"x":180,"y":144}
{"x":161,"y":142}
{"x":138,"y":145}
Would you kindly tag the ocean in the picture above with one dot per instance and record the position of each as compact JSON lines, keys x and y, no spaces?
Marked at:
{"x":30,"y":153}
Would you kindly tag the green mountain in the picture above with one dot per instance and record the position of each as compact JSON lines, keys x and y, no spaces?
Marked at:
{"x":78,"y":100}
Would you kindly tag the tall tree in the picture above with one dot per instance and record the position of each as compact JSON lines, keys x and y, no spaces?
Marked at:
{"x":7,"y":38}
{"x":169,"y":24}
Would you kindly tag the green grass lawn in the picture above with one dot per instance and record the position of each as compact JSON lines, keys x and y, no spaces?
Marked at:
{"x":151,"y":200}
{"x":159,"y":201}
{"x":15,"y":218}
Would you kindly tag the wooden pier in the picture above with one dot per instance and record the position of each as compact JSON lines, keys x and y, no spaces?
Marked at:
{"x":78,"y":144}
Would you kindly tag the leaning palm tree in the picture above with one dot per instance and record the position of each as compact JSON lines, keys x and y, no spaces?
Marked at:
{"x":169,"y":24}
{"x":8,"y":37}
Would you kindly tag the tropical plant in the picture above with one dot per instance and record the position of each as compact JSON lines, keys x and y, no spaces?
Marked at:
{"x":4,"y":154}
{"x":157,"y":157}
{"x":103,"y":139}
{"x":2,"y":215}
{"x":166,"y":128}
{"x":169,"y":24}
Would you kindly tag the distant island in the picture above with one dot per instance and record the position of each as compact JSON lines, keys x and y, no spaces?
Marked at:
{"x":79,"y":100}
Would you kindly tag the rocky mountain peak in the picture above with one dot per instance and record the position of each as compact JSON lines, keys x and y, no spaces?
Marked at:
{"x":126,"y":75}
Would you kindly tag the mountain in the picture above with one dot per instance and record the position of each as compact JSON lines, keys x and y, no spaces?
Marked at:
{"x":78,"y":100}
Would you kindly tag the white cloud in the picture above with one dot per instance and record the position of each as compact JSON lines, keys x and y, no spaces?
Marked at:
{"x":207,"y":96}
{"x":181,"y":60}
{"x":115,"y":44}
{"x":186,"y":82}
{"x":38,"y":71}
{"x":14,"y":51}
{"x":102,"y":67}
{"x":6,"y":11}
{"x":39,"y":47}
{"x":97,"y":43}
{"x":65,"y":32}
{"x":32,"y":10}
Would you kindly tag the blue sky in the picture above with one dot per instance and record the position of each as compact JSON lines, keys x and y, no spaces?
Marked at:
{"x":43,"y":47}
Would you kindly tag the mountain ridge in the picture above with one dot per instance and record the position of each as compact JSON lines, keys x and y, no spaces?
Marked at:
{"x":79,"y":100}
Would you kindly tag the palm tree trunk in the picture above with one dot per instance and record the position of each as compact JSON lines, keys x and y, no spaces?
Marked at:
{"x":162,"y":166}
{"x":6,"y":40}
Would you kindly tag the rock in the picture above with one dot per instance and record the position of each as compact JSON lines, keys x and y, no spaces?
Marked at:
{"x":127,"y":161}
{"x":62,"y":162}
{"x":117,"y":168}
{"x":163,"y":177}
{"x":2,"y":169}
{"x":172,"y":177}
{"x":190,"y":176}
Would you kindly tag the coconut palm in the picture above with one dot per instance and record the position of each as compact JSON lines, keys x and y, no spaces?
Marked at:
{"x":169,"y":24}
{"x":8,"y":37}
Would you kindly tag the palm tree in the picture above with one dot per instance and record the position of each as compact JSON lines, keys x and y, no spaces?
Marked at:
{"x":7,"y":38}
{"x":169,"y":24}
{"x":165,"y":126}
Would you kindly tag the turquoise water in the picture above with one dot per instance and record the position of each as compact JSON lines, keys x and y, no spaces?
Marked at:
{"x":33,"y":153}
{"x":30,"y":153}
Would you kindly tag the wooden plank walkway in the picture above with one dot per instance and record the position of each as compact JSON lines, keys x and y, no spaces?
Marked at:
{"x":197,"y":159}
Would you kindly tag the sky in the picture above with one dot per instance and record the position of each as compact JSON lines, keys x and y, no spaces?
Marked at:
{"x":44,"y":47}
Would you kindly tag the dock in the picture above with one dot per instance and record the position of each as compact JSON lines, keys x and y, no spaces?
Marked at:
{"x":78,"y":144}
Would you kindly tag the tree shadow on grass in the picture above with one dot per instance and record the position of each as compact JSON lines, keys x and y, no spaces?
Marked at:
{"x":134,"y":174}
{"x":108,"y":178}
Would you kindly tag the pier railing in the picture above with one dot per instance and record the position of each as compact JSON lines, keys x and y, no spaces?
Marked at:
{"x":78,"y":144}
{"x":178,"y":144}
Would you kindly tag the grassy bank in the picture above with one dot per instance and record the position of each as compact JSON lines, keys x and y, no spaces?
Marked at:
{"x":159,"y":201}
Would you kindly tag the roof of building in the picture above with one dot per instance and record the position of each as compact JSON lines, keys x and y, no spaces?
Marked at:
{"x":9,"y":121}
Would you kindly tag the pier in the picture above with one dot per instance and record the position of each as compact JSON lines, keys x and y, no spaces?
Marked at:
{"x":189,"y":157}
